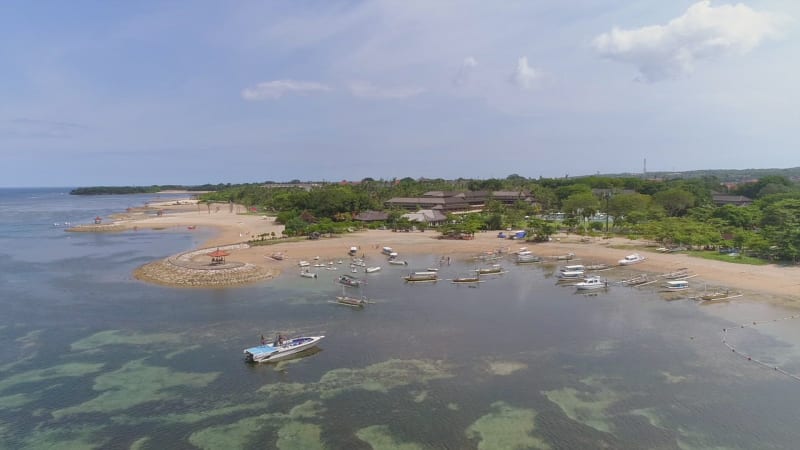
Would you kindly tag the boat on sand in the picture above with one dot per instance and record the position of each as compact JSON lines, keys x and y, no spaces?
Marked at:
{"x":634,"y":258}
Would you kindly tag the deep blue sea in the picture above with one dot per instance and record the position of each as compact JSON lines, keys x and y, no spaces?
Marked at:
{"x":92,"y":358}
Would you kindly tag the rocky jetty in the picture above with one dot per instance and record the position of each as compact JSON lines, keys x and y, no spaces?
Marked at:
{"x":184,"y":270}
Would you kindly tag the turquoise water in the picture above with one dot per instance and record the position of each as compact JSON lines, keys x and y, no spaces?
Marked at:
{"x":94,"y":359}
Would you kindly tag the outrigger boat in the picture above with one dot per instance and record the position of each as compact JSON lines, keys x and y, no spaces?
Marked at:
{"x":354,"y":302}
{"x":471,"y":279}
{"x":417,"y":277}
{"x":678,"y":273}
{"x":635,"y":281}
{"x":280,"y":350}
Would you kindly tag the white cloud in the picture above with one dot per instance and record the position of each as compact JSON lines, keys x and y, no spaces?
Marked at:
{"x":276,"y":89}
{"x":467,"y":66}
{"x":704,"y":31}
{"x":365,"y":89}
{"x":525,"y":76}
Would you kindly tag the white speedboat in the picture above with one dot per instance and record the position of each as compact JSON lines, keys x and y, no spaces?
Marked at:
{"x":304,"y":264}
{"x":277,"y":351}
{"x":570,"y":275}
{"x":372,"y":269}
{"x":591,"y":283}
{"x":397,"y":262}
{"x":525,"y":257}
{"x":348,"y":280}
{"x":631,"y":259}
{"x":307,"y":274}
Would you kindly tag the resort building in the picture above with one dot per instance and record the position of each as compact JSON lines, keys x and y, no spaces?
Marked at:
{"x":372,"y":216}
{"x":430,"y":217}
{"x":725,"y":199}
{"x":449,"y":201}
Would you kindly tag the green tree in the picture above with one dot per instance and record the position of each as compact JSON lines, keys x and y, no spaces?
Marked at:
{"x":675,"y":201}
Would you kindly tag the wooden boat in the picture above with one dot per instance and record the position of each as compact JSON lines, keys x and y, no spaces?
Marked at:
{"x":591,"y":283}
{"x":352,"y":302}
{"x":416,"y":277}
{"x":635,"y":281}
{"x":566,"y":257}
{"x":495,"y":269}
{"x":372,"y":269}
{"x":597,"y":267}
{"x":678,"y":273}
{"x":634,"y":258}
{"x":470,"y":279}
{"x":280,"y":350}
{"x":277,"y":256}
{"x":350,"y":281}
{"x":717,"y":296}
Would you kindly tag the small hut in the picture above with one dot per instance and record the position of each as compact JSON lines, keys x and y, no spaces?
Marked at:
{"x":218,"y":256}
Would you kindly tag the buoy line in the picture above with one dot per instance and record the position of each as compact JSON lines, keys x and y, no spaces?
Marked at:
{"x":749,"y":357}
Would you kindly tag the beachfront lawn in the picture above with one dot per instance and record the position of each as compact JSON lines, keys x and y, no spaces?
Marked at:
{"x":741,"y":259}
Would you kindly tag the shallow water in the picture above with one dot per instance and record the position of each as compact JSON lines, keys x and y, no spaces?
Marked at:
{"x":95,"y":359}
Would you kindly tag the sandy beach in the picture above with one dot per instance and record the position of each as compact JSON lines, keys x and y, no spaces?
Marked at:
{"x":778,"y":284}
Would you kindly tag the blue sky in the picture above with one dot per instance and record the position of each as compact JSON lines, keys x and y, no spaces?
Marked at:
{"x":192,"y":92}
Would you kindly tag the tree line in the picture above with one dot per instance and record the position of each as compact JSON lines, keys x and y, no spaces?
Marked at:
{"x":674,"y":211}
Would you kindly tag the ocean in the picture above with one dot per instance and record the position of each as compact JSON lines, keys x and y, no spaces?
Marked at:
{"x":92,"y":358}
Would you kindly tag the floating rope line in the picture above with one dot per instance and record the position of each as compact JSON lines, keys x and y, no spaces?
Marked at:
{"x":749,"y":357}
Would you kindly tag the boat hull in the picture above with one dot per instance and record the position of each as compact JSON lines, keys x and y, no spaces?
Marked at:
{"x":269,"y":353}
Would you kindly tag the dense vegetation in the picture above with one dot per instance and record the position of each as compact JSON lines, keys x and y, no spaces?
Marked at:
{"x":119,"y":190}
{"x":676,"y":212}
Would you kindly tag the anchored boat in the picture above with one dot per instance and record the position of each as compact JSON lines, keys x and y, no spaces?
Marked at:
{"x":494,"y":269}
{"x":591,"y":283}
{"x":347,"y":280}
{"x":422,"y":276}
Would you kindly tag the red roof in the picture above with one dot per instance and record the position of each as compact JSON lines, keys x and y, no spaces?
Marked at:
{"x":218,"y":253}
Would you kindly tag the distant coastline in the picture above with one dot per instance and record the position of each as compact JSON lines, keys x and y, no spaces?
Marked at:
{"x":155,"y":189}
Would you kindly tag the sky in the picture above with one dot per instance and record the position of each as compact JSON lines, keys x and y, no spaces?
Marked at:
{"x":195,"y":92}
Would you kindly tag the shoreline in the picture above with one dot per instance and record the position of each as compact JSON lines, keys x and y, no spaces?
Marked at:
{"x":230,"y":226}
